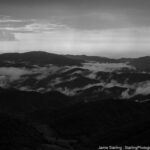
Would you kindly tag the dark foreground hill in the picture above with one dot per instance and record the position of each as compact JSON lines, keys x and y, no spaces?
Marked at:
{"x":14,"y":101}
{"x":18,"y":135}
{"x":69,"y":123}
{"x":106,"y":122}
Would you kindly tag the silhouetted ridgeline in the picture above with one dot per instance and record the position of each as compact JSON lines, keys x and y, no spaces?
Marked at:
{"x":39,"y":58}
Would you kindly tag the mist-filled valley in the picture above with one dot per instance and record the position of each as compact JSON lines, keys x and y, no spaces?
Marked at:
{"x":73,"y":102}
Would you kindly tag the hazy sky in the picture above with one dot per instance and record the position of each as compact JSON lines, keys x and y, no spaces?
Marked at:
{"x":113,"y":28}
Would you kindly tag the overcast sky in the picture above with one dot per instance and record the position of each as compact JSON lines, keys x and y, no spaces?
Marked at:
{"x":112,"y":28}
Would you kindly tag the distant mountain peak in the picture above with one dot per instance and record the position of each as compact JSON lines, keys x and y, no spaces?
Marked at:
{"x":39,"y":58}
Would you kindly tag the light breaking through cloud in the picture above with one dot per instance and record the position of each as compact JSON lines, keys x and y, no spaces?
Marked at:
{"x":106,"y":28}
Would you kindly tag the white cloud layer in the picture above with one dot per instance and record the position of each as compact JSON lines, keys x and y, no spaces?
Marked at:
{"x":13,"y":73}
{"x":106,"y":67}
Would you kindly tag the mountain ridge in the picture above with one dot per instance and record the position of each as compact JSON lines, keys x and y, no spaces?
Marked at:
{"x":39,"y":57}
{"x":74,"y":103}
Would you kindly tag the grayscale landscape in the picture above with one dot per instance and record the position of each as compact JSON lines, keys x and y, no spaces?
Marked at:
{"x":74,"y":75}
